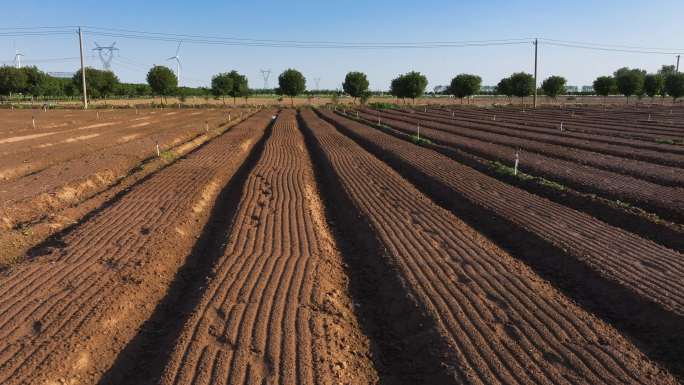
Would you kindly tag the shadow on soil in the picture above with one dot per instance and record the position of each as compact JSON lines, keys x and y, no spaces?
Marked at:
{"x":143,"y":359}
{"x":404,"y":342}
{"x":657,"y":332}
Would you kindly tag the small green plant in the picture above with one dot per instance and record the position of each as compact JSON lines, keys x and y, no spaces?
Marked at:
{"x":551,"y":184}
{"x":167,"y":155}
{"x":622,"y":204}
{"x":665,"y":141}
{"x":420,"y":141}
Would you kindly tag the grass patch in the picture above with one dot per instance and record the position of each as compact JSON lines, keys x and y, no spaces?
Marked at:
{"x":502,"y":169}
{"x":551,"y":184}
{"x":383,"y":106}
{"x":168,"y":155}
{"x":665,"y":141}
{"x":420,"y":141}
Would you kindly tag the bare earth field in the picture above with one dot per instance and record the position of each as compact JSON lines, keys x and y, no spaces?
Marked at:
{"x":342,"y":245}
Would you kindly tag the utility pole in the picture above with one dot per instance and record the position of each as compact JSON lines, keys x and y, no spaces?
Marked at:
{"x":534,"y":100}
{"x":83,"y":74}
{"x":677,"y":69}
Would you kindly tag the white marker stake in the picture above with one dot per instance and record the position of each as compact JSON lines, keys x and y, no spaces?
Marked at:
{"x":517,"y":159}
{"x":452,"y":114}
{"x":97,"y":113}
{"x":649,"y":117}
{"x":33,"y":121}
{"x":229,"y":116}
{"x":158,"y":152}
{"x":206,"y":125}
{"x":561,"y":127}
{"x":378,"y":120}
{"x":357,"y":114}
{"x":494,"y":118}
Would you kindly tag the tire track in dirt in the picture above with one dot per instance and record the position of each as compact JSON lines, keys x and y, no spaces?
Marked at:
{"x":496,"y":321}
{"x":275,"y":310}
{"x":667,"y":202}
{"x":65,"y":315}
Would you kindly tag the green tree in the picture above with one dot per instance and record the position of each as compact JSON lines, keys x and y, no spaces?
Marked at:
{"x":630,"y":81}
{"x":35,"y":81}
{"x":505,"y":87}
{"x":240,"y":87}
{"x":522,"y":85}
{"x":396,"y":87}
{"x":291,"y":83}
{"x":674,"y":85}
{"x":12,"y":80}
{"x":465,"y":85}
{"x":553,"y":86}
{"x":604,"y":86}
{"x":355,"y":84}
{"x":365,"y":96}
{"x":653,"y":85}
{"x":414,"y":84}
{"x":222,"y":85}
{"x":99,"y":83}
{"x":162,"y":81}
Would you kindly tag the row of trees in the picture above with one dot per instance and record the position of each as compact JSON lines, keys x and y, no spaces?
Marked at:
{"x":163,"y":82}
{"x":628,"y":82}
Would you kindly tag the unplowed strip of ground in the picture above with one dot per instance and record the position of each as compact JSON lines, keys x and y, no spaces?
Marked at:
{"x":593,"y":155}
{"x":633,"y":282}
{"x":544,"y":118}
{"x":65,"y":315}
{"x":51,"y":200}
{"x":32,"y":157}
{"x":276,"y":309}
{"x":667,"y":202}
{"x":495,"y":321}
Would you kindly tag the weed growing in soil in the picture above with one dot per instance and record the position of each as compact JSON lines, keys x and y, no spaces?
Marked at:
{"x":665,"y":141}
{"x":167,"y":155}
{"x":420,"y":141}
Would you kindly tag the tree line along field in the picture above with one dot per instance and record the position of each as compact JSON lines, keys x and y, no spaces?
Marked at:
{"x":355,"y":245}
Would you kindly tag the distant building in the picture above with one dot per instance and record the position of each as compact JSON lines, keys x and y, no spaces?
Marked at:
{"x":63,"y":75}
{"x":588,"y":89}
{"x":488,"y":89}
{"x":571,"y":89}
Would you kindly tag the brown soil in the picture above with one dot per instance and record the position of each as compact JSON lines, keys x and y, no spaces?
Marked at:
{"x":493,"y":319}
{"x":66,"y":314}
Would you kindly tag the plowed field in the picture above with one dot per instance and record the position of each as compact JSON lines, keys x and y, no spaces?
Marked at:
{"x":306,"y":247}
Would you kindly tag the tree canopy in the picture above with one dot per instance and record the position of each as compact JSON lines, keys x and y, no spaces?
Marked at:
{"x":98,"y":82}
{"x":12,"y":80}
{"x":240,"y":87}
{"x":630,"y":81}
{"x":553,"y":86}
{"x":410,"y":85}
{"x":674,"y":85}
{"x":465,"y":85}
{"x":162,"y":80}
{"x":355,"y":84}
{"x":504,"y":87}
{"x":291,"y":83}
{"x":605,"y":85}
{"x":221,"y":85}
{"x":522,"y":84}
{"x":653,"y":84}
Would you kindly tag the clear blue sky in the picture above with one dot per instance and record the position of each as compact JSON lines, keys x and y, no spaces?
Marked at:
{"x":628,"y":22}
